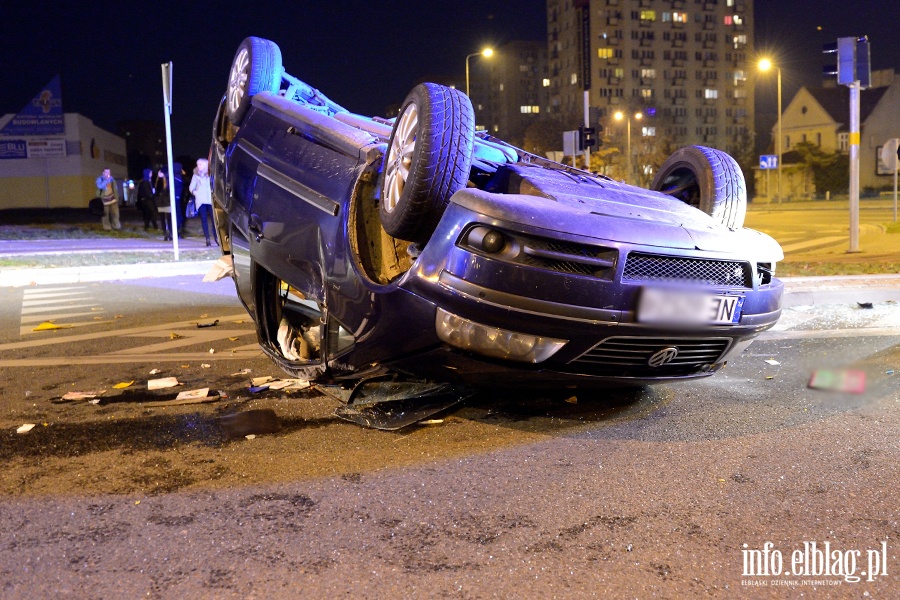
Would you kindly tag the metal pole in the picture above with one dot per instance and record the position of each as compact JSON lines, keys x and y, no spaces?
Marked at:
{"x":587,"y":123}
{"x":895,"y":190}
{"x":628,"y":146}
{"x":854,"y":166}
{"x":467,"y":73}
{"x":167,"y":110}
{"x":780,"y":142}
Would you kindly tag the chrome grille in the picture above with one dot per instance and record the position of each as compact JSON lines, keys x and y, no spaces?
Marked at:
{"x":631,"y":355}
{"x":650,"y":267}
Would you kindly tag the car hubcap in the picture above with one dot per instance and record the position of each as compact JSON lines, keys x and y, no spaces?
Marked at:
{"x":237,"y":82}
{"x":400,"y":157}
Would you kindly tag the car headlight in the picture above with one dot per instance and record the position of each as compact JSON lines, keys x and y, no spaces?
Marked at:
{"x":493,"y":341}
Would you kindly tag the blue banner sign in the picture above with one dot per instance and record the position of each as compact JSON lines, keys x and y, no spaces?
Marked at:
{"x":42,"y":116}
{"x":768,"y":161}
{"x":13,"y":149}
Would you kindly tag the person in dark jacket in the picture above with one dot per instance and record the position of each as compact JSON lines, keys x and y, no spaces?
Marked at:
{"x":163,"y":204}
{"x":147,"y":201}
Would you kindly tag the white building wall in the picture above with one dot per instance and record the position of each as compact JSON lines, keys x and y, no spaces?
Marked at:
{"x":65,"y":176}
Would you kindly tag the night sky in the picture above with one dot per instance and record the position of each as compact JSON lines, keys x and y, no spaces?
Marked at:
{"x":363,"y":55}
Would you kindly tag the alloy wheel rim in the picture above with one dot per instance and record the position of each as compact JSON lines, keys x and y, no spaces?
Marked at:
{"x":237,"y":82}
{"x":400,"y":157}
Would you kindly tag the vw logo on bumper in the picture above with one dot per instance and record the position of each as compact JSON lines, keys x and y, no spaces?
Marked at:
{"x":662,"y":357}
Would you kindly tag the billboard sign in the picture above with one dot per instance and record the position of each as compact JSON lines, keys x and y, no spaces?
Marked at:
{"x":42,"y":116}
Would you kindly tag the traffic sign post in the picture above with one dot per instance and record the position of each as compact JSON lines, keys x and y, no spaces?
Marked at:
{"x":767,"y":162}
{"x":890,"y":156}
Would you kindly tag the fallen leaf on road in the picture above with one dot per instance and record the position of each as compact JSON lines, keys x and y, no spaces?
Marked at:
{"x":49,"y":326}
{"x":123,"y":385}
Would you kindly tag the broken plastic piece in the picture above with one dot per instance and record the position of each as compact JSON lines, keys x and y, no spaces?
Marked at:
{"x":772,"y":361}
{"x":25,"y":428}
{"x":255,"y":389}
{"x":865,"y":304}
{"x":213,"y":324}
{"x":250,"y":422}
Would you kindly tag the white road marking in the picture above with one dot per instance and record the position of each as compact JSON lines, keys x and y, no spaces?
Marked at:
{"x":190,"y":335}
{"x":58,"y":305}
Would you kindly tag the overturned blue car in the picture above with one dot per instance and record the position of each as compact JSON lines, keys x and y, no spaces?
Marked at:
{"x":421,"y":255}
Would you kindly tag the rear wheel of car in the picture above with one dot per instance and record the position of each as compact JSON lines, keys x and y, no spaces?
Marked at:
{"x":256,"y":68}
{"x":428,"y":159}
{"x":708,"y":179}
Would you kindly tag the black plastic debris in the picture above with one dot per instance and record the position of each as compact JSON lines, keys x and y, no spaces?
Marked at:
{"x":249,"y":422}
{"x":202,"y":325}
{"x":865,"y":304}
{"x":389,"y":404}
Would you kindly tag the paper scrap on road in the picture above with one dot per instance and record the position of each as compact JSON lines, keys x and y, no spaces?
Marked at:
{"x":162,"y":383}
{"x":261,"y":380}
{"x":191,"y":394}
{"x":289,"y":384}
{"x":839,"y":380}
{"x":25,"y":428}
{"x":222,"y":268}
{"x":772,"y":361}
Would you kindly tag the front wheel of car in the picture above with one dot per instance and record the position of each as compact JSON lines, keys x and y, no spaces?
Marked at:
{"x":256,"y":68}
{"x":428,"y":159}
{"x":707,"y":179}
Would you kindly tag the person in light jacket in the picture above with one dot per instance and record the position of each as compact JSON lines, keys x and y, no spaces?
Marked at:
{"x":109,"y":195}
{"x":203,"y":198}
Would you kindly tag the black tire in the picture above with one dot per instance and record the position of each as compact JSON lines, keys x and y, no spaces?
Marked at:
{"x":256,"y":68}
{"x":428,"y":159}
{"x":707,"y":179}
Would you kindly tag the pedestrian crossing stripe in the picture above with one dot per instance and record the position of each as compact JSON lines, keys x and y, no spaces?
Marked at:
{"x":62,"y":306}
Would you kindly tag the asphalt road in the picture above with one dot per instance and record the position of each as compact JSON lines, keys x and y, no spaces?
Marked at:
{"x":669,"y":491}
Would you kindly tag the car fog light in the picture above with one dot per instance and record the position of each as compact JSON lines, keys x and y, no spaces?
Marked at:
{"x":493,"y":242}
{"x":493,"y":341}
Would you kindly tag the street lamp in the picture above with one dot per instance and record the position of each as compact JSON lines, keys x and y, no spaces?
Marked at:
{"x":487,"y":53}
{"x":618,"y":117}
{"x":766,"y":65}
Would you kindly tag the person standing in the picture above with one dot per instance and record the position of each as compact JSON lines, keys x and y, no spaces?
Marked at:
{"x":109,"y":196}
{"x":147,"y":201}
{"x":163,"y":204}
{"x":203,"y":198}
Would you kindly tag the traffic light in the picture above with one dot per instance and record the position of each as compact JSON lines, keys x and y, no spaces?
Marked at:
{"x":853,"y":62}
{"x":587,"y":137}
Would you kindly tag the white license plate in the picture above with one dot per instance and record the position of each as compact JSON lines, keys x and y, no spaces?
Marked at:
{"x":683,"y":307}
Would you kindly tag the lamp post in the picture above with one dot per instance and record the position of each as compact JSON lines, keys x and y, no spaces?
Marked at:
{"x":618,"y":117}
{"x":487,"y":53}
{"x":766,"y":65}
